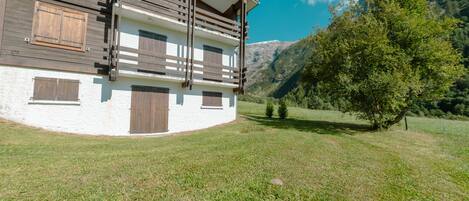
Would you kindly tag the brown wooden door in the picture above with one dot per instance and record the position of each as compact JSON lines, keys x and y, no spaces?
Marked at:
{"x":213,"y":62}
{"x":152,"y":48}
{"x":149,"y":110}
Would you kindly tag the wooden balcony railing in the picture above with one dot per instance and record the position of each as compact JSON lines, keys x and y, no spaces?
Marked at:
{"x":173,"y":66}
{"x":178,"y":10}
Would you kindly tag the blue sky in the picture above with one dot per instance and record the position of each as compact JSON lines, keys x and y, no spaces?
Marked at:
{"x":287,"y":20}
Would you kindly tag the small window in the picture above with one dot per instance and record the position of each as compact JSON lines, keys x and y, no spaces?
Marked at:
{"x":53,"y":89}
{"x":212,"y":99}
{"x":59,"y":27}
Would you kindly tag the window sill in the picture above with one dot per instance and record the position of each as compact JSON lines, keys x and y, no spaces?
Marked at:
{"x":211,"y":107}
{"x":49,"y":102}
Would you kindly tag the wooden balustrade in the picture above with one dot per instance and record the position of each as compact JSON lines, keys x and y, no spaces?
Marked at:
{"x":178,"y":10}
{"x":174,"y":66}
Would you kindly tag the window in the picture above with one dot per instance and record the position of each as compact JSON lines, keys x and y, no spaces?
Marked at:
{"x":213,"y":63}
{"x":59,"y":27}
{"x":212,"y":99}
{"x":53,"y":89}
{"x":152,"y":52}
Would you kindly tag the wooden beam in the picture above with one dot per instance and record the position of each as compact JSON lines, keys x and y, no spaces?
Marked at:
{"x":242,"y":47}
{"x":188,"y":38}
{"x":194,"y":7}
{"x":3,"y":5}
{"x":112,"y":47}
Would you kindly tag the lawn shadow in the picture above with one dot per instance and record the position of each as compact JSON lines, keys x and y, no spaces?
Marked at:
{"x":313,"y":126}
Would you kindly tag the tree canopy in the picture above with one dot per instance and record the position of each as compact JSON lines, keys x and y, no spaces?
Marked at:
{"x":379,"y":57}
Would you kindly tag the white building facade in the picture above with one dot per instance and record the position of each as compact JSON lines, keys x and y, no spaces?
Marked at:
{"x":150,"y":86}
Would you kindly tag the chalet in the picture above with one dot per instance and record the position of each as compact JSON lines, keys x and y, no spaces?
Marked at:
{"x":122,"y":67}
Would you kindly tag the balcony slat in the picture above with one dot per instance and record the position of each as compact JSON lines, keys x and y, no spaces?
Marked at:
{"x":219,"y":17}
{"x":182,"y":59}
{"x":160,"y":65}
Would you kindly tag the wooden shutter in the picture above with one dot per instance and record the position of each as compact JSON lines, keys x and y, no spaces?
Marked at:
{"x":213,"y":63}
{"x":56,"y":26}
{"x":67,"y":90}
{"x":54,"y":89}
{"x":46,"y":23}
{"x":152,"y":47}
{"x":212,"y":99}
{"x":45,"y":88}
{"x":74,"y":27}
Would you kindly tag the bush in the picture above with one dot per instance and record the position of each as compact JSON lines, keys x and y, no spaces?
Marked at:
{"x":437,"y":113}
{"x":269,"y":109}
{"x":459,"y":109}
{"x":466,"y":113}
{"x":282,"y":110}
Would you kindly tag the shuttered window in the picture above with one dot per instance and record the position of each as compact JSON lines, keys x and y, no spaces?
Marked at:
{"x":53,"y":89}
{"x":152,"y":48}
{"x":213,"y":63}
{"x":59,"y":27}
{"x":212,"y":99}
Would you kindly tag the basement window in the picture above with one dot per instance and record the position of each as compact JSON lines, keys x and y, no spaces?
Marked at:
{"x":212,"y":100}
{"x":57,"y":90}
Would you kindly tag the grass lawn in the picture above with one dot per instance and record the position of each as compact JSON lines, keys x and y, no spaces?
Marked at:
{"x":319,"y":155}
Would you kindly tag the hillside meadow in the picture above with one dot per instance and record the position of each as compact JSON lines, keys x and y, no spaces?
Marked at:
{"x":318,"y":155}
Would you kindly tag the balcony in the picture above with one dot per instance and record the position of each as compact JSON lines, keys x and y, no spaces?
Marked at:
{"x":173,"y":14}
{"x":133,"y":61}
{"x":138,"y":63}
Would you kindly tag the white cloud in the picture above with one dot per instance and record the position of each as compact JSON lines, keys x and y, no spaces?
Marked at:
{"x":314,"y":2}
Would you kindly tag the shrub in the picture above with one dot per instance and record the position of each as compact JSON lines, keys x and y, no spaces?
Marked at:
{"x":459,"y":109}
{"x":437,"y":113}
{"x":269,"y":109}
{"x":282,"y":110}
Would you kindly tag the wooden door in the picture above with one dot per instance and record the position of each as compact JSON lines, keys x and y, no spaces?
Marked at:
{"x":152,"y":48}
{"x":149,"y":110}
{"x":213,"y":63}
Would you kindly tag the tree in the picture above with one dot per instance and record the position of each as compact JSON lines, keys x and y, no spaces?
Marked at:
{"x":269,"y":109}
{"x":282,"y":109}
{"x":381,"y":56}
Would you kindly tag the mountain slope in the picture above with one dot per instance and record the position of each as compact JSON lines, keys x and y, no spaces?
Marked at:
{"x":281,"y":75}
{"x":260,"y":55}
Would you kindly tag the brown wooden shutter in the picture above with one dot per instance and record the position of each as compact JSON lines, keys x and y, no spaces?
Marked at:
{"x":212,"y":99}
{"x":73,"y":29}
{"x":46,"y":25}
{"x":153,"y":51}
{"x":67,"y":90}
{"x":45,"y":88}
{"x":56,"y":26}
{"x":213,"y":60}
{"x":54,"y":89}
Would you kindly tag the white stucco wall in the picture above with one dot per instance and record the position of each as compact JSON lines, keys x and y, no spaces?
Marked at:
{"x":104,"y":107}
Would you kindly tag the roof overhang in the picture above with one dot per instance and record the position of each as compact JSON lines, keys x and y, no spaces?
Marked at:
{"x":223,"y":5}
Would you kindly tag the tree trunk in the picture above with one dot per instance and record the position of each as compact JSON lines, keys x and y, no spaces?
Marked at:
{"x":396,"y":120}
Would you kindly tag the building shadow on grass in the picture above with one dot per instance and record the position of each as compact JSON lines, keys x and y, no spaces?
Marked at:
{"x":313,"y":126}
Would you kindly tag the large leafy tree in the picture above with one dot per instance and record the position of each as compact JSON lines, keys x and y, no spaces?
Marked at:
{"x":381,"y":56}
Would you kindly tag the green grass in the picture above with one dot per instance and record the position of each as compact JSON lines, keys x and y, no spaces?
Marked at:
{"x":319,"y":155}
